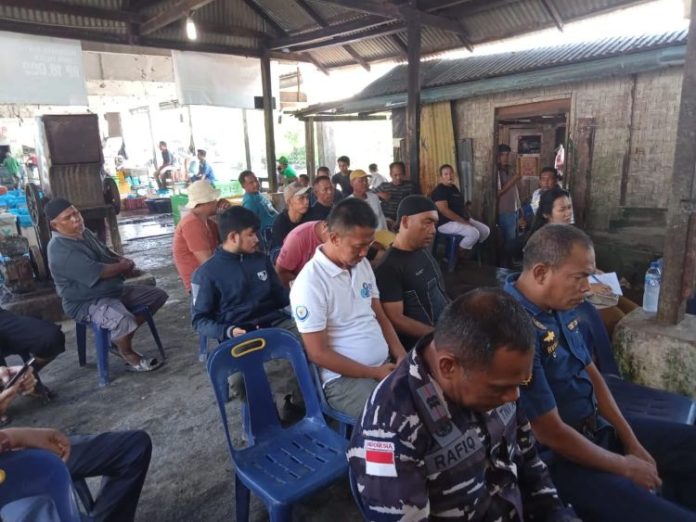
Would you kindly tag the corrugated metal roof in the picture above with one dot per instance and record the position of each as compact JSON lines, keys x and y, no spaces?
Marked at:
{"x":448,"y":72}
{"x":482,"y":21}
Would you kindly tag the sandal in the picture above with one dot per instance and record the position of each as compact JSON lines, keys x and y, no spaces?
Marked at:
{"x":5,"y":420}
{"x":145,"y":365}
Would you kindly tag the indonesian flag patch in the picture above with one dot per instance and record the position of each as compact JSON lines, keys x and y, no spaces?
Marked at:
{"x":379,"y":458}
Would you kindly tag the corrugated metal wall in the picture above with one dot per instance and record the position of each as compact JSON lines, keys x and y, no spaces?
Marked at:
{"x":436,"y":143}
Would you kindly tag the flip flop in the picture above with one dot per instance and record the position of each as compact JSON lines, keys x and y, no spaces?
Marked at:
{"x":145,"y":365}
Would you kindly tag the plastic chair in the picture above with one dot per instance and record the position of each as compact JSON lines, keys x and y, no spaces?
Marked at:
{"x":634,"y":400}
{"x":33,"y":472}
{"x":202,"y":348}
{"x":451,"y":246}
{"x":345,"y":422}
{"x":356,"y":494}
{"x":102,"y":339}
{"x":281,"y":466}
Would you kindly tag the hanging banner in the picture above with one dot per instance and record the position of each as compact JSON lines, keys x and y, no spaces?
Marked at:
{"x":40,"y":70}
{"x":219,"y":80}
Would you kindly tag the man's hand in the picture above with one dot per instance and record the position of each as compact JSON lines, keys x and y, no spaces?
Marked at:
{"x":637,"y":450}
{"x":24,"y":385}
{"x":380,"y":372}
{"x":40,"y":438}
{"x":641,"y":472}
{"x":223,"y":205}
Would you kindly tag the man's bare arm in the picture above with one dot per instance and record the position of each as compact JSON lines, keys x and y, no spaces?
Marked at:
{"x":402,"y":323}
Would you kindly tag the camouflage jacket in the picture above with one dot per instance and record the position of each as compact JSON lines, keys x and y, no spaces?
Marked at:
{"x":418,"y":456}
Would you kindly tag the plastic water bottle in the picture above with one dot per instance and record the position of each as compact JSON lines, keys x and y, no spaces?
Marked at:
{"x":651,"y":293}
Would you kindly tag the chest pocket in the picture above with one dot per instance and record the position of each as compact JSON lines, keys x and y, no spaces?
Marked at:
{"x":425,"y":312}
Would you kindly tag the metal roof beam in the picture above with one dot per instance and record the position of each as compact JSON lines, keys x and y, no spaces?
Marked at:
{"x":312,"y":13}
{"x":119,"y":15}
{"x":316,"y":63}
{"x":551,"y":9}
{"x":231,"y":30}
{"x":171,"y":14}
{"x":261,"y":12}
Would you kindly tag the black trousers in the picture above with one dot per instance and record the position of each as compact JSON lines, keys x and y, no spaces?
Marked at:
{"x":27,"y":336}
{"x":122,"y":460}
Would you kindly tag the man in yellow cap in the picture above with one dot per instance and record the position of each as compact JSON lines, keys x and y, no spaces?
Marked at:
{"x":359,"y":181}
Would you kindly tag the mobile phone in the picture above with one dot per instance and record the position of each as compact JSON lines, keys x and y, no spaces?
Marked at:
{"x":24,"y":369}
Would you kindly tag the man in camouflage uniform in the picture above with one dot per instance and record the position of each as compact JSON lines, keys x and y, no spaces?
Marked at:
{"x":442,"y":438}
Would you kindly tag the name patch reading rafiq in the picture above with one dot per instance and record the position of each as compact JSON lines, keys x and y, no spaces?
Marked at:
{"x":455,"y":453}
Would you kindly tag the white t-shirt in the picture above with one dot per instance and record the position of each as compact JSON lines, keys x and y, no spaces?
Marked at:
{"x":373,"y":201}
{"x":327,"y":297}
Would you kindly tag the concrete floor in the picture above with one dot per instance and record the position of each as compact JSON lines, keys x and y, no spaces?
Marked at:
{"x":190,"y":476}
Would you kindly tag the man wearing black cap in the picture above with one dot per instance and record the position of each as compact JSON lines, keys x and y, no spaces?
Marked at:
{"x":89,"y":277}
{"x":410,"y":282}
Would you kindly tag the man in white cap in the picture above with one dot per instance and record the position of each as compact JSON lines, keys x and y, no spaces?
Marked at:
{"x":196,"y":236}
{"x":297,"y":205}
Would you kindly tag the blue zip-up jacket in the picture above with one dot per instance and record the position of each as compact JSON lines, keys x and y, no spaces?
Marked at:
{"x":240,"y":290}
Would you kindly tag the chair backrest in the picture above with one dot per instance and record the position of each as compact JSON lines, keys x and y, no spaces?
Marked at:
{"x":33,"y":472}
{"x":246,"y":355}
{"x":325,"y":406}
{"x":597,"y":338}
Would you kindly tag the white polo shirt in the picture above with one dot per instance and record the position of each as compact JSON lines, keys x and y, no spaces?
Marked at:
{"x":327,"y":297}
{"x":373,"y":200}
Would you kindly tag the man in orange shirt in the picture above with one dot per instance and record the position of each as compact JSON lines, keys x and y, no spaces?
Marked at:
{"x":196,"y":236}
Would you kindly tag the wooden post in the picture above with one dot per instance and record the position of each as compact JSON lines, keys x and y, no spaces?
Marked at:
{"x":309,"y":148}
{"x":268,"y":122}
{"x":247,"y":147}
{"x":680,"y":244}
{"x":413,"y":102}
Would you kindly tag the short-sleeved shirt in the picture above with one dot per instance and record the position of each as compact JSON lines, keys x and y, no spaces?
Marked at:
{"x":299,"y":247}
{"x":397,"y":193}
{"x":166,"y":157}
{"x":372,"y":200}
{"x":282,"y":226}
{"x":76,"y":265}
{"x":417,"y":456}
{"x":414,"y":278}
{"x":288,"y":173}
{"x":339,"y":180}
{"x":260,"y":206}
{"x":509,"y":201}
{"x":328,"y":297}
{"x":318,"y":212}
{"x":192,"y":234}
{"x":454,"y":199}
{"x":559,"y":373}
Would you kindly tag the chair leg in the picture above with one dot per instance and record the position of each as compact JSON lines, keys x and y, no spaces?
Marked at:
{"x":84,"y":494}
{"x":280,"y":512}
{"x":451,"y":254}
{"x":155,"y":334}
{"x":241,"y":497}
{"x":203,"y":348}
{"x":81,"y":335}
{"x":103,"y":341}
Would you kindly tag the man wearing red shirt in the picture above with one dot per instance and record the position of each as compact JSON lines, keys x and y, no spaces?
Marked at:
{"x":299,"y":248}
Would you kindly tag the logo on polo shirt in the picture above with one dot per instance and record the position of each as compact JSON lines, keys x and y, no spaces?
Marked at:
{"x":301,"y":313}
{"x":366,"y":290}
{"x":262,"y":275}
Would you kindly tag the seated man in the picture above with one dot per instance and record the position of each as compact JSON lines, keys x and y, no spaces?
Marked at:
{"x":608,"y":467}
{"x":297,"y":205}
{"x":205,"y":171}
{"x":298,"y":248}
{"x":409,"y":280}
{"x":454,"y":218}
{"x":237,"y":289}
{"x":335,"y":302}
{"x":196,"y":236}
{"x":359,"y":181}
{"x":255,"y":201}
{"x":30,"y":337}
{"x":391,"y":193}
{"x":89,"y":278}
{"x":442,"y":438}
{"x":323,"y":192}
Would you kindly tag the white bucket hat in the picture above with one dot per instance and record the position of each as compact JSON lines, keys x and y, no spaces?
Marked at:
{"x":201,"y":192}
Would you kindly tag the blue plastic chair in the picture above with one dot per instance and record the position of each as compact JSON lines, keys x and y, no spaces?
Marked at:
{"x":33,"y":472}
{"x":102,"y":339}
{"x":634,"y":400}
{"x":345,"y":422}
{"x":281,"y":466}
{"x":451,"y":244}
